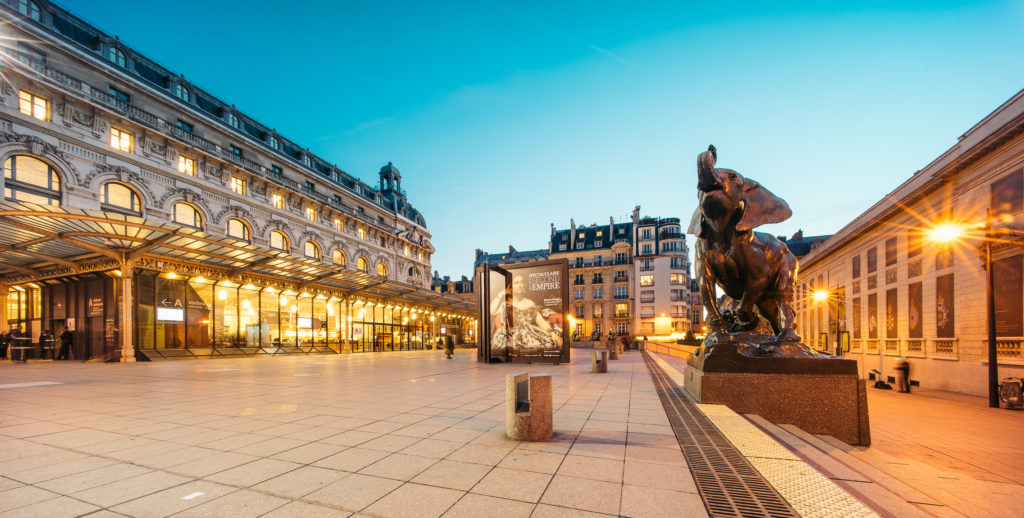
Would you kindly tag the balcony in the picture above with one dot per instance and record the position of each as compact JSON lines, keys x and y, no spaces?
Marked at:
{"x":621,"y":278}
{"x":671,"y":235}
{"x":621,"y":297}
{"x":646,"y":268}
{"x":578,"y":282}
{"x":621,"y":315}
{"x":597,"y":280}
{"x":647,"y":299}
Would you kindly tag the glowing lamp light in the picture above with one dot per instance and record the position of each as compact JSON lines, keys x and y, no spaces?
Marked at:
{"x":172,"y":275}
{"x":820,"y":295}
{"x":946,"y":232}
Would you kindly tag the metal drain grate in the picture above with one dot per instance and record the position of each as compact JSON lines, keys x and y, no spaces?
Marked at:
{"x":727,"y":482}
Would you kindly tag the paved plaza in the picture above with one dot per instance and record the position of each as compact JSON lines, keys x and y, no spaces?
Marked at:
{"x":393,"y":434}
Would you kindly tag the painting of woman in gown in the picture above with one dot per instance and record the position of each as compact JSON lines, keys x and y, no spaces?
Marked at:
{"x":534,"y":328}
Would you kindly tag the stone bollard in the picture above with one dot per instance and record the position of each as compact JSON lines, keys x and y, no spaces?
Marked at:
{"x":613,"y":352}
{"x":599,"y":361}
{"x":528,"y":407}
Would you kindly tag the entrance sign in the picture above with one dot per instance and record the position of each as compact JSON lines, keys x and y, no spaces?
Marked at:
{"x":170,"y":314}
{"x":531,"y":327}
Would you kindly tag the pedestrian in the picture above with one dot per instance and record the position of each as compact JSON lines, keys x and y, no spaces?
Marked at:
{"x":3,"y":345}
{"x":18,"y":351}
{"x":66,"y":338}
{"x":46,"y":344}
{"x":449,"y":346}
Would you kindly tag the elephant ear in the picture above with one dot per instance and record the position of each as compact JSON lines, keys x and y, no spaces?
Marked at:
{"x":697,"y":224}
{"x":761,"y":207}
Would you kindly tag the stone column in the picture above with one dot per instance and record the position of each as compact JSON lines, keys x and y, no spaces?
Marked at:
{"x":127,"y":312}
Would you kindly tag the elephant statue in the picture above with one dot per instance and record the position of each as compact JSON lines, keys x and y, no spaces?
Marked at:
{"x":754,"y":268}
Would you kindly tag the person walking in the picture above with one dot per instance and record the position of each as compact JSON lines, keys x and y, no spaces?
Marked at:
{"x":19,"y":352}
{"x":4,"y":342}
{"x":66,"y":338}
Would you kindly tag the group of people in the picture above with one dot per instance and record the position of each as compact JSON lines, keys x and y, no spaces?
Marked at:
{"x":15,"y":338}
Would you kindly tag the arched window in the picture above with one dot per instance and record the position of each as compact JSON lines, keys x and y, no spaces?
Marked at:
{"x":186,"y":214}
{"x":232,"y":119}
{"x":312,"y":250}
{"x":382,"y":270}
{"x":238,"y":229}
{"x":29,"y":8}
{"x":32,"y":180}
{"x":116,"y":56}
{"x":362,"y":265}
{"x":182,"y":92}
{"x":278,"y":240}
{"x":339,"y":258}
{"x":120,"y":197}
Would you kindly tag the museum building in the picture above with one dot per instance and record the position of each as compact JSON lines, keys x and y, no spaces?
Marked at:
{"x":907,"y":278}
{"x":151,"y":218}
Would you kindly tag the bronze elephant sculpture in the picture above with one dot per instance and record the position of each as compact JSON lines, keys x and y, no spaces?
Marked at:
{"x":754,"y":268}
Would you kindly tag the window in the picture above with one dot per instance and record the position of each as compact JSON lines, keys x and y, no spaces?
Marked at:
{"x":362,"y":234}
{"x":597,"y":261}
{"x":890,"y":251}
{"x":646,"y":233}
{"x":678,"y":262}
{"x":621,"y":328}
{"x":872,"y":260}
{"x":34,"y":106}
{"x":311,"y":250}
{"x":382,"y":242}
{"x":579,"y":245}
{"x":307,"y":161}
{"x":647,"y":280}
{"x":598,"y":278}
{"x":597,"y":293}
{"x":238,"y":229}
{"x":645,"y":264}
{"x":419,"y":255}
{"x":579,"y":311}
{"x":277,"y":200}
{"x":186,"y":165}
{"x":119,"y":197}
{"x":621,"y":310}
{"x":677,"y":295}
{"x":578,"y":279}
{"x":235,"y":150}
{"x":621,"y":292}
{"x":186,"y":214}
{"x":276,"y":171}
{"x":579,"y":294}
{"x":598,"y":312}
{"x":620,"y":258}
{"x":29,"y":8}
{"x":647,"y":296}
{"x":274,"y":143}
{"x":362,"y":265}
{"x":184,"y":126}
{"x":238,"y":185}
{"x":231,"y":119}
{"x":562,"y":247}
{"x":278,"y":240}
{"x":677,"y":279}
{"x":182,"y":92}
{"x":339,"y":225}
{"x":339,"y":258}
{"x":116,"y":56}
{"x":646,"y":311}
{"x":597,"y":327}
{"x":382,"y":270}
{"x":120,"y":140}
{"x":1006,"y":196}
{"x":647,"y":249}
{"x":598,"y":244}
{"x":310,"y":186}
{"x":31,"y":180}
{"x":407,"y":251}
{"x":311,"y":214}
{"x":119,"y":95}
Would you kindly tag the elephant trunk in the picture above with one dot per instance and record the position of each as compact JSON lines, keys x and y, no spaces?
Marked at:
{"x":707,"y":176}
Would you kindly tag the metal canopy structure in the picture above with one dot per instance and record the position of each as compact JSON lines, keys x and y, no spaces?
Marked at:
{"x":42,"y":242}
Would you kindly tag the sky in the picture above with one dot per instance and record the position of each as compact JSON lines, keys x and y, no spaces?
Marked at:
{"x":505,"y":117}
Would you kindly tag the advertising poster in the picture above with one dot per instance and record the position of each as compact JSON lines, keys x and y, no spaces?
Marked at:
{"x":891,"y":314}
{"x":944,"y":314}
{"x":540,"y":298}
{"x":915,"y":329}
{"x":1009,"y":294}
{"x":495,"y":309}
{"x":873,"y":316}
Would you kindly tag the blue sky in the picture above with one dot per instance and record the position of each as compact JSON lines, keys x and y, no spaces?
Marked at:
{"x":505,"y":117}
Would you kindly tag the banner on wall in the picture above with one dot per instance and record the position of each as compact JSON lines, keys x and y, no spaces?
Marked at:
{"x":945,"y":316}
{"x":1009,"y":294}
{"x":524,"y":310}
{"x":873,"y":316}
{"x":914,"y":302}
{"x":891,"y":314}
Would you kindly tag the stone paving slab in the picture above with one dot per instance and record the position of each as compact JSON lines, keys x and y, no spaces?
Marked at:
{"x":387,"y":434}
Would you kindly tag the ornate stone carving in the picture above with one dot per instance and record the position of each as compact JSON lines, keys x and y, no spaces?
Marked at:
{"x":275,"y":224}
{"x":259,"y":188}
{"x":187,"y":195}
{"x":38,"y":146}
{"x":8,"y":91}
{"x":233,"y":210}
{"x":99,"y":127}
{"x":212,"y":171}
{"x":120,"y":171}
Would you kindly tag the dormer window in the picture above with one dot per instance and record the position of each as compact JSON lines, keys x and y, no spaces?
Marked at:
{"x":116,"y":56}
{"x":307,"y":161}
{"x":231,"y":119}
{"x":273,"y":142}
{"x":182,"y":92}
{"x":30,"y":9}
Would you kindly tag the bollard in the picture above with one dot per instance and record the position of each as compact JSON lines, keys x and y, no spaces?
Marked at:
{"x":528,"y":407}
{"x":613,"y":352}
{"x":599,"y":361}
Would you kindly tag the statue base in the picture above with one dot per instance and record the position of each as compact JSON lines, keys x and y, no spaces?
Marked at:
{"x":785,"y":383}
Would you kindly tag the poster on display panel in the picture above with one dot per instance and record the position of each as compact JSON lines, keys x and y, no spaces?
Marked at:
{"x":523,"y":311}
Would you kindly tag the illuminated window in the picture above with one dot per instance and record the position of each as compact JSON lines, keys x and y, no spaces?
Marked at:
{"x":32,"y":180}
{"x":238,"y":229}
{"x":311,"y":213}
{"x":647,"y":280}
{"x":362,"y":264}
{"x":382,"y":270}
{"x":408,"y":252}
{"x":339,"y":258}
{"x":232,"y":119}
{"x":120,"y":197}
{"x":116,"y":56}
{"x":238,"y":185}
{"x":120,"y":140}
{"x":312,"y":250}
{"x":598,"y":311}
{"x":278,"y":240}
{"x":29,"y":8}
{"x":339,"y":225}
{"x":186,"y":214}
{"x":186,"y":165}
{"x":677,"y":279}
{"x":419,"y":255}
{"x":621,"y":310}
{"x":182,"y":92}
{"x":362,"y":234}
{"x":35,"y":106}
{"x":277,"y":200}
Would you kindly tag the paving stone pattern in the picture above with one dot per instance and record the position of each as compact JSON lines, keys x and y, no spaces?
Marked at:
{"x":392,"y":434}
